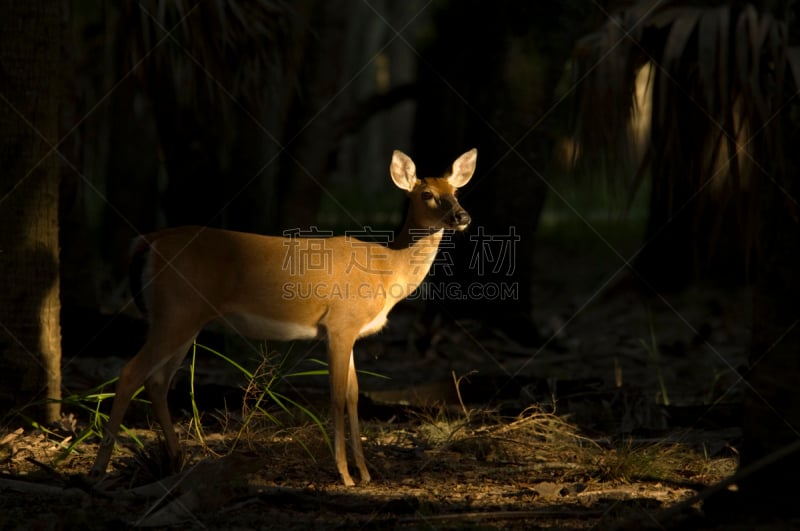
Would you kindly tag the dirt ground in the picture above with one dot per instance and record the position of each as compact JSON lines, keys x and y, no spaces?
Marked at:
{"x":625,"y":414}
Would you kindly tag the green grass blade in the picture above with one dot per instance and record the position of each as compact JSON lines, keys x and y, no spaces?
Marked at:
{"x":229,"y":360}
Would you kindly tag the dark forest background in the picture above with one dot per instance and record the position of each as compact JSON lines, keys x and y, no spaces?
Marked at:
{"x":121,"y":118}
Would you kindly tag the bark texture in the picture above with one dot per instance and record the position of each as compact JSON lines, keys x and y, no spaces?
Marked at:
{"x":30,"y":334}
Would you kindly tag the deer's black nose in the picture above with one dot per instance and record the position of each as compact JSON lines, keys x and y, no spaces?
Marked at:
{"x":461,"y":218}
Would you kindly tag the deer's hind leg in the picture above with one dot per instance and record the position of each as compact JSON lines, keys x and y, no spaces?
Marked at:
{"x":153,"y":366}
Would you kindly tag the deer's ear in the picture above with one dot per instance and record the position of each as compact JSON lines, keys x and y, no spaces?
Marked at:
{"x":463,"y":168}
{"x":403,"y":171}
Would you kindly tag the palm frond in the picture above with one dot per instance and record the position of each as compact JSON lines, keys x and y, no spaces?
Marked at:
{"x":224,"y":45}
{"x":720,"y":76}
{"x":712,"y":57}
{"x":724,"y":77}
{"x":793,"y":60}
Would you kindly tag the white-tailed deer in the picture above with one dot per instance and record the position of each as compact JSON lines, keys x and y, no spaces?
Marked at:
{"x":278,"y":288}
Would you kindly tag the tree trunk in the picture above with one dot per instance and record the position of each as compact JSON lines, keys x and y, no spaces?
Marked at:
{"x":694,"y":229}
{"x":494,"y":93}
{"x":30,"y":333}
{"x":772,"y":405}
{"x":313,"y":133}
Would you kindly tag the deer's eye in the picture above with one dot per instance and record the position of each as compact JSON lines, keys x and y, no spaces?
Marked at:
{"x":426,"y":196}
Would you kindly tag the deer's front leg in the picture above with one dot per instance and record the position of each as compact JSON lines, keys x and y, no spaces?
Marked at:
{"x":339,"y":349}
{"x":352,"y":413}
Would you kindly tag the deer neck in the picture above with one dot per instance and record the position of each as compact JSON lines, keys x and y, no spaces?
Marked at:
{"x":418,"y":248}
